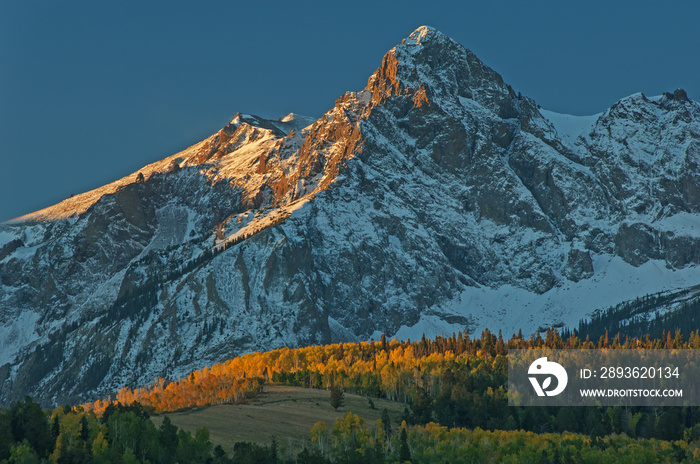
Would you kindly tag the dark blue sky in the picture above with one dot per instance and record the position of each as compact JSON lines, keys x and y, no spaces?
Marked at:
{"x":91,"y":91}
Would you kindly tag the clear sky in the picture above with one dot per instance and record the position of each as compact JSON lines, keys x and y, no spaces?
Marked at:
{"x":91,"y":91}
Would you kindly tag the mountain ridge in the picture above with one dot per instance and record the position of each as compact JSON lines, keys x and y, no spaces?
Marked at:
{"x":434,"y":199}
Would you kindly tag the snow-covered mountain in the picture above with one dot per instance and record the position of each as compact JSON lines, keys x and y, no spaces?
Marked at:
{"x":435,"y":199}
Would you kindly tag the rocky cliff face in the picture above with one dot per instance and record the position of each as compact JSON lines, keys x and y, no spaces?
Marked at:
{"x":435,"y":199}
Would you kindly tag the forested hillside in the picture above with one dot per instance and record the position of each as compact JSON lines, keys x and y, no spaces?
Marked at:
{"x":641,"y":316}
{"x":454,"y":391}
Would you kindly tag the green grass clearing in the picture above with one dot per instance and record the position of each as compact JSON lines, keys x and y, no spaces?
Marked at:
{"x":285,"y":412}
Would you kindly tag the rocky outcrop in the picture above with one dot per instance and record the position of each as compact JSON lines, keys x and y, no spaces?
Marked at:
{"x":434,"y":199}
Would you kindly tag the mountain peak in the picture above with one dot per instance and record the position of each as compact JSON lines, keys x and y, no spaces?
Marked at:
{"x":425,"y":34}
{"x":441,"y":70}
{"x":470,"y":208}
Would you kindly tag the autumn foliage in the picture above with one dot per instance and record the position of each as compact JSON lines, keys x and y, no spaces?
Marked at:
{"x":390,"y":369}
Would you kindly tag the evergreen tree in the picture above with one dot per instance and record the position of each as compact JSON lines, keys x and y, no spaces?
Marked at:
{"x":404,"y":450}
{"x":567,"y":420}
{"x":6,"y":438}
{"x":337,"y":397}
{"x":386,"y":420}
{"x":84,"y":429}
{"x":29,"y":423}
{"x":274,"y":450}
{"x":422,"y":406}
{"x":55,"y":427}
{"x":168,"y":440}
{"x":669,"y":425}
{"x":311,"y":457}
{"x":219,"y":454}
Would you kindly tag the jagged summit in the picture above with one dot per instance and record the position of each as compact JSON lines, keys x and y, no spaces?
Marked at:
{"x":251,"y":119}
{"x":678,"y":95}
{"x":431,"y":66}
{"x":424,"y":35}
{"x":433,"y":200}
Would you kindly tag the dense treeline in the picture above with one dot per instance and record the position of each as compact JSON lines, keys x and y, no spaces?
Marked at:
{"x":124,"y":434}
{"x":641,"y":316}
{"x":456,"y":381}
{"x":352,"y":441}
{"x":390,"y":369}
